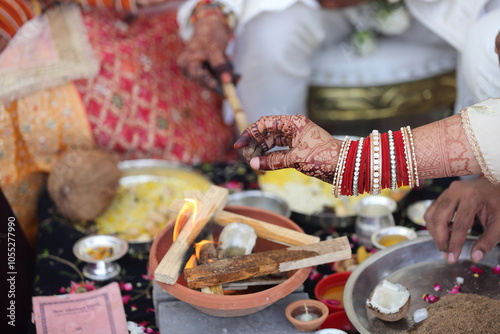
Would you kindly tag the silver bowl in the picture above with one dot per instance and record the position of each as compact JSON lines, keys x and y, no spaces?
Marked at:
{"x":403,"y":231}
{"x":104,"y":268}
{"x":260,"y":199}
{"x":416,"y":211}
{"x":418,"y":265}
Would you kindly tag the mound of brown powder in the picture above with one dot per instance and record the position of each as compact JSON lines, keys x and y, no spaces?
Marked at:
{"x":461,"y":313}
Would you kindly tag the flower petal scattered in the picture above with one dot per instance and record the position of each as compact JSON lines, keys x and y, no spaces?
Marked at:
{"x":496,"y":269}
{"x":126,"y":286}
{"x":430,"y":298}
{"x":437,"y":287}
{"x":456,"y":289}
{"x":476,"y":270}
{"x":126,"y":299}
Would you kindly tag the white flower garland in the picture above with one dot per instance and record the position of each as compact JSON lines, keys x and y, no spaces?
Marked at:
{"x":377,"y":17}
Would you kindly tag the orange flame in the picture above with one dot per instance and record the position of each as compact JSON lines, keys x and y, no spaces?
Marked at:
{"x":191,"y":262}
{"x":188,"y":210}
{"x":199,"y":245}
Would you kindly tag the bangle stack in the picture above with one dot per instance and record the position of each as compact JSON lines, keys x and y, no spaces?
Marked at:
{"x":13,"y":14}
{"x":377,"y":162}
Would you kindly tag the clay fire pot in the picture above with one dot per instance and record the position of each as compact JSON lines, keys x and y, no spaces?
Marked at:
{"x":231,"y":305}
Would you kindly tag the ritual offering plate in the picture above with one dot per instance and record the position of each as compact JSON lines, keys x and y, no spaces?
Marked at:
{"x":311,"y":200}
{"x":417,"y":264}
{"x":140,"y":209}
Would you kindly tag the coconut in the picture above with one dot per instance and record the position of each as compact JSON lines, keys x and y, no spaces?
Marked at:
{"x":83,"y":183}
{"x":389,"y":301}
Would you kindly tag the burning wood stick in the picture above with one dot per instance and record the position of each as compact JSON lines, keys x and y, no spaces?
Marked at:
{"x":208,"y":254}
{"x":275,"y":233}
{"x":211,"y":204}
{"x":269,"y":262}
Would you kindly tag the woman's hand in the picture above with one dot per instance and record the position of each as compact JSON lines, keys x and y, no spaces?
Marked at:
{"x":204,"y":55}
{"x":450,"y":217}
{"x":312,"y":150}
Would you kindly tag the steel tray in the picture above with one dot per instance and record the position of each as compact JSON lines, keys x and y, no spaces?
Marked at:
{"x":418,"y":265}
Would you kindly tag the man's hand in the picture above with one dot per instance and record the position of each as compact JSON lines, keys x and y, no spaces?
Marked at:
{"x":204,"y":55}
{"x":450,"y":217}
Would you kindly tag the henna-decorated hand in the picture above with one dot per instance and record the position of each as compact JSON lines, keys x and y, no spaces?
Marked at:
{"x":311,"y":149}
{"x":460,"y":203}
{"x":207,"y":47}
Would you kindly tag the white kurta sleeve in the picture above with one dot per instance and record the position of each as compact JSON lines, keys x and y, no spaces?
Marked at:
{"x":449,"y":19}
{"x":481,"y":123}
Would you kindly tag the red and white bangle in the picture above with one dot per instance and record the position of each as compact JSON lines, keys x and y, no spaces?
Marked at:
{"x":376,"y":164}
{"x":413,"y":155}
{"x":339,"y":169}
{"x":392,"y":156}
{"x":379,"y":161}
{"x":357,"y":167}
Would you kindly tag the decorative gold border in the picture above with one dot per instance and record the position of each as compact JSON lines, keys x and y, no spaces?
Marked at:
{"x":475,"y":147}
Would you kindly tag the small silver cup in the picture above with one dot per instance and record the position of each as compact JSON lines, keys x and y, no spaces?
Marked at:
{"x":100,"y":268}
{"x":372,"y":214}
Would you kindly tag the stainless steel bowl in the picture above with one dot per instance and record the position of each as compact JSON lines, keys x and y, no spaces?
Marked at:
{"x":416,"y":211}
{"x":402,"y":231}
{"x":325,"y":220}
{"x":370,"y":200}
{"x":100,"y":268}
{"x":418,"y":265}
{"x":260,"y":199}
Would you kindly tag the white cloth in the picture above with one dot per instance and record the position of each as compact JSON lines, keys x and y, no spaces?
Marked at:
{"x":276,"y":39}
{"x":450,"y":19}
{"x":479,"y":68}
{"x":471,"y":27}
{"x":243,"y":9}
{"x":481,"y":123}
{"x":274,"y":44}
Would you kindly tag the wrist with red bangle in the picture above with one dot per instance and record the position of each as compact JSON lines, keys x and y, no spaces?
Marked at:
{"x":379,"y":161}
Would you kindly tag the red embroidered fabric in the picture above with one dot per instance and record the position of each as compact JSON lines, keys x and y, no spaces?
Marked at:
{"x":140,"y":104}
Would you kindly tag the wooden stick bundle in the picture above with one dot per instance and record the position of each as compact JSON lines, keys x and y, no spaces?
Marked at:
{"x":275,"y":233}
{"x":269,"y":262}
{"x":211,"y":203}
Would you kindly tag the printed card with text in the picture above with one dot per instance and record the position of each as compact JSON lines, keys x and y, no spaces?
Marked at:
{"x":98,"y":312}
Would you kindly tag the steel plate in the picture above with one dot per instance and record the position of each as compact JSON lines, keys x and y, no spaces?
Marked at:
{"x":418,"y":265}
{"x":178,"y":177}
